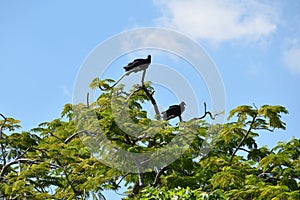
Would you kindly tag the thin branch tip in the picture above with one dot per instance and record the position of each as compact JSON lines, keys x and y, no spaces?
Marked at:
{"x":212,"y":116}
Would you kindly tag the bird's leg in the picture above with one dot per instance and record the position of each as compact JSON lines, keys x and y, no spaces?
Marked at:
{"x":180,"y":118}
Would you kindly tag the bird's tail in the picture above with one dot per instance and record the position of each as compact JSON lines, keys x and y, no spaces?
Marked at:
{"x":164,"y":115}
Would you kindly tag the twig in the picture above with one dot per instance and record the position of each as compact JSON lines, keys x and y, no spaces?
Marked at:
{"x":243,"y":139}
{"x":70,"y":183}
{"x":122,"y":178}
{"x":148,"y":94}
{"x":20,"y":156}
{"x":20,"y":160}
{"x":1,"y":137}
{"x":44,"y":151}
{"x":157,"y":177}
{"x":206,"y":113}
{"x":244,"y":150}
{"x":140,"y":175}
{"x":125,"y":195}
{"x":77,"y":133}
{"x":67,"y":178}
{"x":87,"y":100}
{"x":55,"y":136}
{"x":138,"y":88}
{"x":263,"y":128}
{"x":255,"y":106}
{"x":125,"y":74}
{"x":187,"y":173}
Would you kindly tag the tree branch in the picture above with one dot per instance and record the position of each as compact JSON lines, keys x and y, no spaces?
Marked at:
{"x":19,"y":160}
{"x":140,"y":175}
{"x":77,"y":133}
{"x":87,"y":100}
{"x":150,"y":96}
{"x":3,"y":150}
{"x":244,"y":150}
{"x":187,"y":173}
{"x":20,"y":156}
{"x":125,"y":74}
{"x":122,"y":178}
{"x":157,"y":177}
{"x":207,"y":113}
{"x":263,"y":128}
{"x":244,"y":138}
{"x":71,"y":184}
{"x":138,"y":88}
{"x":67,"y":178}
{"x":55,"y":136}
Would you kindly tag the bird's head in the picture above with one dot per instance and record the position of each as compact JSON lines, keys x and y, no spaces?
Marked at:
{"x":182,"y":106}
{"x":149,"y":58}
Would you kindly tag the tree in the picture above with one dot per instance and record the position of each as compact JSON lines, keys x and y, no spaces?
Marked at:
{"x":58,"y":159}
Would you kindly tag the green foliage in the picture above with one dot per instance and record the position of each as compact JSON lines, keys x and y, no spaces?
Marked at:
{"x":56,"y":159}
{"x":179,"y":193}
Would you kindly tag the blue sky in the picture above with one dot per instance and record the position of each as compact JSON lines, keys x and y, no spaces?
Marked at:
{"x":254,"y":44}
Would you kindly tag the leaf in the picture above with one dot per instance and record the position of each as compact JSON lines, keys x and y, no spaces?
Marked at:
{"x":67,"y":111}
{"x":242,"y":112}
{"x":272,"y":113}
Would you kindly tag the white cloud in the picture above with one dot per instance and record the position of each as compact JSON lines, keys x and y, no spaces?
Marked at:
{"x":152,"y":37}
{"x":291,"y":55}
{"x":219,"y":20}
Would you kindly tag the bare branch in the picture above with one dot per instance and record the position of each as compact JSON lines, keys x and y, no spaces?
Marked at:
{"x":125,"y":74}
{"x":138,"y":88}
{"x":55,"y":136}
{"x":246,"y":150}
{"x":244,"y":138}
{"x":20,"y":156}
{"x":185,"y":172}
{"x":267,"y":129}
{"x":15,"y":197}
{"x":122,"y":178}
{"x":87,"y":100}
{"x":140,"y":175}
{"x":150,"y":96}
{"x":19,"y":160}
{"x":77,"y":133}
{"x":2,"y":125}
{"x":3,"y":150}
{"x":207,"y":113}
{"x":67,"y":178}
{"x":255,"y":106}
{"x":157,"y":177}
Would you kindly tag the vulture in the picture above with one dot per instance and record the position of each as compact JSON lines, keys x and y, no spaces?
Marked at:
{"x":174,"y":111}
{"x":138,"y":64}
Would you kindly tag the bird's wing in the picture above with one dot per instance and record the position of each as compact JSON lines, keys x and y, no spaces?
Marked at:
{"x":133,"y":62}
{"x":174,"y":106}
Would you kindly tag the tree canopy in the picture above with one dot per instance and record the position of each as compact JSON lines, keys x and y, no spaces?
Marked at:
{"x":66,"y":158}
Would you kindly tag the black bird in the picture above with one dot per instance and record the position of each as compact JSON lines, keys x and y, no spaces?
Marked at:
{"x":138,"y":64}
{"x":174,"y":111}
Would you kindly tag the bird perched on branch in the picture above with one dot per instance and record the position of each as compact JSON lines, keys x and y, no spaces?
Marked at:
{"x":138,"y":64}
{"x":174,"y":111}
